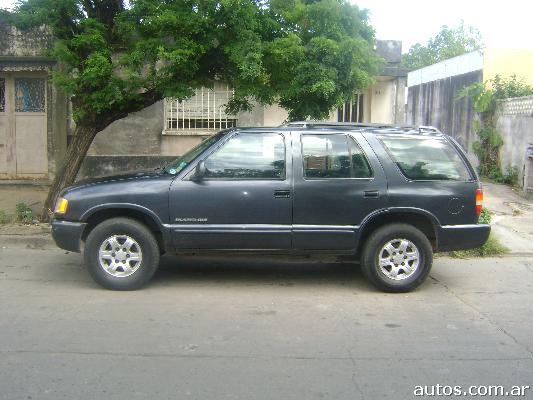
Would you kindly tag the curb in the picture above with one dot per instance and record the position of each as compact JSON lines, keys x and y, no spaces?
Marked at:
{"x":41,"y":241}
{"x":22,"y":182}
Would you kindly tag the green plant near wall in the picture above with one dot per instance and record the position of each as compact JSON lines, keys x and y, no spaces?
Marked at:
{"x":24,"y":213}
{"x":487,"y":147}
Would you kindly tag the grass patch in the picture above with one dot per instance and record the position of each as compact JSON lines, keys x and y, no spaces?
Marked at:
{"x":24,"y":213}
{"x":492,"y":247}
{"x":4,"y":217}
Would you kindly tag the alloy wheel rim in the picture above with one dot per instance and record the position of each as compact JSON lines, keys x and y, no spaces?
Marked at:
{"x":398,"y":259}
{"x":120,"y":256}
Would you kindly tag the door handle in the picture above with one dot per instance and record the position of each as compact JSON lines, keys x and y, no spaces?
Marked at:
{"x":282,"y":194}
{"x":372,"y":194}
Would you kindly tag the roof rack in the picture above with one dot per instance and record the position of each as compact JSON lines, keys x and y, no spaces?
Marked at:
{"x":329,"y":124}
{"x":428,"y":128}
{"x":363,"y":125}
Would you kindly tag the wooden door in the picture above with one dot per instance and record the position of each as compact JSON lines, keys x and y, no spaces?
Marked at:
{"x":23,"y":133}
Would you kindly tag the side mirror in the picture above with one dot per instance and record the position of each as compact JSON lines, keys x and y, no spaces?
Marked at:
{"x":199,"y":171}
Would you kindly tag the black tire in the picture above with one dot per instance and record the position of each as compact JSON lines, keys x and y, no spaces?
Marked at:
{"x":144,"y":244}
{"x":374,"y":245}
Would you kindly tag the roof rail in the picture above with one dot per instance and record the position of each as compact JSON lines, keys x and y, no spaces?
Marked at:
{"x":325,"y":124}
{"x":428,"y":128}
{"x":362,"y":125}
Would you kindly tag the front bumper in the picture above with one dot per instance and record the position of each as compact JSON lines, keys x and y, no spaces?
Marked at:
{"x":67,"y":235}
{"x":462,"y":237}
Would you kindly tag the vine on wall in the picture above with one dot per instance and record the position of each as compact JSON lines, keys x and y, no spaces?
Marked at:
{"x":487,"y":147}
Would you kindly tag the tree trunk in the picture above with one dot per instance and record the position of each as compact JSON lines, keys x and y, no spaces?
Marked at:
{"x":65,"y":176}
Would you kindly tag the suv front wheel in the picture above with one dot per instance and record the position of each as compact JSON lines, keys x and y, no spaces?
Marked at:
{"x":397,"y":258}
{"x":121,"y":254}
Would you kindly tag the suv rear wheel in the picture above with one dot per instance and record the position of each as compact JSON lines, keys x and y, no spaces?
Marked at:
{"x":397,"y":258}
{"x":121,"y":254}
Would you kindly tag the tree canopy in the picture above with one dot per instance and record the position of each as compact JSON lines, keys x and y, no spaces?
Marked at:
{"x":117,"y":56}
{"x":448,"y":43}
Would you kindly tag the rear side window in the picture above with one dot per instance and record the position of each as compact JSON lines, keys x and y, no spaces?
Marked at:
{"x":426,"y":158}
{"x":333,"y":156}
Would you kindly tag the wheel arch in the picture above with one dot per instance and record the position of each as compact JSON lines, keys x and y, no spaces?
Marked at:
{"x":100,"y":213}
{"x":420,"y":219}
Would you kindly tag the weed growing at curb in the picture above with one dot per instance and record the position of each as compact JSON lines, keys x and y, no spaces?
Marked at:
{"x":492,"y":247}
{"x":4,"y":218}
{"x":24,"y":213}
{"x":485,"y":217}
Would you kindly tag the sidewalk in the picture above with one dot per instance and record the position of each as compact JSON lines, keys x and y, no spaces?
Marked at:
{"x":512,"y":217}
{"x":31,"y":236}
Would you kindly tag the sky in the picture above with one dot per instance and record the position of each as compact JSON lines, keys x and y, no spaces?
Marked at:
{"x":505,"y":24}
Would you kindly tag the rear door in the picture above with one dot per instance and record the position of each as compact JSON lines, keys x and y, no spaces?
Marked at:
{"x":338,"y":181}
{"x":244,"y":202}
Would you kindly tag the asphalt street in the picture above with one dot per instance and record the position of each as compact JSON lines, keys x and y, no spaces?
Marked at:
{"x":245,"y":329}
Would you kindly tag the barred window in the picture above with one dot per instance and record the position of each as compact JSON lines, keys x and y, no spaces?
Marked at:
{"x":29,"y":95}
{"x":203,"y":112}
{"x":351,"y":111}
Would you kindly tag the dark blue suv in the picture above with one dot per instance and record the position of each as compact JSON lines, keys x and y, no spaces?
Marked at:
{"x":386,"y":196}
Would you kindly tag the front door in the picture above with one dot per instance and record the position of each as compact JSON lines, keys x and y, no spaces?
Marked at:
{"x":243,"y":201}
{"x":338,"y":181}
{"x":23,"y":133}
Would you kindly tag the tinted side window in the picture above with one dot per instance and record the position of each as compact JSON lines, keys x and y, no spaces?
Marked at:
{"x":423,"y":158}
{"x":249,"y":156}
{"x":333,"y":156}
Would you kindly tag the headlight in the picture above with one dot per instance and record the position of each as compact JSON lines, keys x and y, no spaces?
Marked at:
{"x":61,"y":206}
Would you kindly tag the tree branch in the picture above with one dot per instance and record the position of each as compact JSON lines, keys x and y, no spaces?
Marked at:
{"x":147,"y":99}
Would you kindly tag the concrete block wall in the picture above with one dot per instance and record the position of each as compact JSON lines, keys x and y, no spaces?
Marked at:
{"x":515,"y":125}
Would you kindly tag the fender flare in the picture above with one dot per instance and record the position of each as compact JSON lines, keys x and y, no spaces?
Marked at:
{"x":396,"y":210}
{"x":125,"y":206}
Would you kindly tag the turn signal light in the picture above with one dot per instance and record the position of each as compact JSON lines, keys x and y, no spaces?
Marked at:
{"x":479,"y":201}
{"x":61,"y":206}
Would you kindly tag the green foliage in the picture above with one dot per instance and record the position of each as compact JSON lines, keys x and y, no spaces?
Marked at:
{"x":511,"y":87}
{"x":510,"y":177}
{"x":492,"y":247}
{"x":118,"y":56}
{"x":487,"y":150}
{"x":4,"y":218}
{"x":485,"y":217}
{"x":24,"y":213}
{"x":448,"y":43}
{"x":484,"y":99}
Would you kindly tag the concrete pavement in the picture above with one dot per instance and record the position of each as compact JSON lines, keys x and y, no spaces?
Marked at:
{"x":512,"y":218}
{"x":248,"y":329}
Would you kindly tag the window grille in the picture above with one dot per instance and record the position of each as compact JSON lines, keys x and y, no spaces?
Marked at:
{"x":29,"y":95}
{"x":351,"y":111}
{"x":205,"y":111}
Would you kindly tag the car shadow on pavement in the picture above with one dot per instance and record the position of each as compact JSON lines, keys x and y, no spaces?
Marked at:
{"x":244,"y":271}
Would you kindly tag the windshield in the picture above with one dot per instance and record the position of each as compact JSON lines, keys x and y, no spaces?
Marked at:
{"x":179,"y":163}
